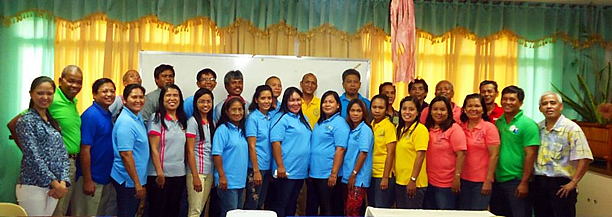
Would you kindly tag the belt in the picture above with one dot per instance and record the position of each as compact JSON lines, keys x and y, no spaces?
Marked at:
{"x":73,"y":156}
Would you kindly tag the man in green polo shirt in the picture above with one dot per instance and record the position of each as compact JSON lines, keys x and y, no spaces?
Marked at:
{"x":520,"y":138}
{"x":64,"y":110}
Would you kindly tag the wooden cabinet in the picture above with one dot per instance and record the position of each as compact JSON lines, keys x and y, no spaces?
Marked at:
{"x":600,"y":140}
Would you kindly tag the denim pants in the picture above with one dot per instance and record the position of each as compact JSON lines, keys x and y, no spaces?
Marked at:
{"x":404,"y":202}
{"x":230,"y":199}
{"x":381,"y":198}
{"x":287,"y":191}
{"x":256,"y":194}
{"x":471,"y":197}
{"x":546,"y":202}
{"x":439,"y":198}
{"x":505,"y":203}
{"x":127,"y":204}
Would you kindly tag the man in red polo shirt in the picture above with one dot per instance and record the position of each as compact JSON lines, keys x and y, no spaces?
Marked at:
{"x":488,"y":90}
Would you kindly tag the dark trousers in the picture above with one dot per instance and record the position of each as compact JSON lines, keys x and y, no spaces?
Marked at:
{"x":381,"y":198}
{"x":215,"y":203}
{"x":330,"y":198}
{"x":402,"y":200}
{"x":471,"y":197}
{"x":505,"y":203}
{"x":439,"y":198}
{"x":312,"y":204}
{"x":545,"y":200}
{"x":127,"y":204}
{"x":287,"y":191}
{"x":256,"y":194}
{"x":165,"y":201}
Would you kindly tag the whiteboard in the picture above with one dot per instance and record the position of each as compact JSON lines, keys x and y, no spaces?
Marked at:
{"x":255,"y":69}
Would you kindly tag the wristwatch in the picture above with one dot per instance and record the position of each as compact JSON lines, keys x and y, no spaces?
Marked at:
{"x":354,"y":172}
{"x":413,"y":179}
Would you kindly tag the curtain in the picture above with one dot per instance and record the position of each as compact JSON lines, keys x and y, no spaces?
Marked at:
{"x":27,"y":52}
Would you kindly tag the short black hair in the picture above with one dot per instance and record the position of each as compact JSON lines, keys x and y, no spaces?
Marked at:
{"x":98,"y":83}
{"x":234,"y":74}
{"x":204,"y":72}
{"x":128,"y":89}
{"x":380,"y":87}
{"x":486,"y":82}
{"x":418,"y":81}
{"x":514,"y":89}
{"x":350,"y":72}
{"x":161,"y":68}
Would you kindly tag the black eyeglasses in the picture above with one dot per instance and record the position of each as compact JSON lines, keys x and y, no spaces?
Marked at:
{"x":208,"y":79}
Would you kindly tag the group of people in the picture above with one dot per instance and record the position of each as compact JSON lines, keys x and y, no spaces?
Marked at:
{"x":345,"y":148}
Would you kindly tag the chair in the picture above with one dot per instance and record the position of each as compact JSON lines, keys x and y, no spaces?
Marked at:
{"x":251,"y":213}
{"x":11,"y":209}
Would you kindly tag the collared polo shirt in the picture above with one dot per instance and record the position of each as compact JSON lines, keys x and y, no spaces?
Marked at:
{"x":384,"y":133}
{"x":258,"y":126}
{"x":171,"y":146}
{"x":202,"y":148}
{"x":441,"y":158}
{"x":67,"y":115}
{"x":294,"y":137}
{"x":406,"y":153}
{"x":514,"y":136}
{"x":360,"y":139}
{"x":345,"y":101}
{"x":151,"y":104}
{"x":479,"y":139}
{"x":496,"y":113}
{"x":116,"y":107}
{"x":219,"y":106}
{"x":188,"y":106}
{"x":231,"y":145}
{"x":312,"y":110}
{"x":326,"y":136}
{"x":130,"y":134}
{"x":456,"y":113}
{"x":97,"y":133}
{"x":274,"y":111}
{"x":562,"y":147}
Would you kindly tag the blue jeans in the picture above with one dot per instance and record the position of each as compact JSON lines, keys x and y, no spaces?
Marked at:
{"x":405,"y":202}
{"x":127,"y":204}
{"x":439,"y":198}
{"x":471,"y":197}
{"x":256,"y":194}
{"x":230,"y":199}
{"x":381,"y":198}
{"x":505,"y":203}
{"x":287,"y":191}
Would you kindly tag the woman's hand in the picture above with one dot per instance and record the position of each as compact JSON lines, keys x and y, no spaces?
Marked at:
{"x":223,"y":183}
{"x":384,"y":183}
{"x":411,"y":189}
{"x":257,"y":180}
{"x":281,"y":173}
{"x":160,"y":181}
{"x":456,"y":185}
{"x":331,"y":181}
{"x":197,"y":184}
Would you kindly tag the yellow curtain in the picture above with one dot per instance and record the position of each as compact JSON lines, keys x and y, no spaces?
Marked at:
{"x":107,"y":48}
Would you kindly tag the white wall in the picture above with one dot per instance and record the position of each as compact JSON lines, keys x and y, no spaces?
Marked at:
{"x":594,"y":195}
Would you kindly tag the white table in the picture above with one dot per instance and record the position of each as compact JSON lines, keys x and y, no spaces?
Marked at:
{"x":376,"y":212}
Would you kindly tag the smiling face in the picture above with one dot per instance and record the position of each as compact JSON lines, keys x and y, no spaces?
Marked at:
{"x":378,"y":109}
{"x":205,"y":104}
{"x":511,"y":104}
{"x":445,"y":88}
{"x":105,"y":95}
{"x":135,"y":100}
{"x":131,"y":77}
{"x":42,"y":95}
{"x":295,"y":103}
{"x":409,"y":112}
{"x":351,"y":84}
{"x":309,"y":84}
{"x":330,"y":106}
{"x":277,"y":87}
{"x":418,"y":91}
{"x":355,"y":114}
{"x":489,"y":93}
{"x":439,"y":112}
{"x":166,"y":77}
{"x":171,"y":99}
{"x":389,"y":91}
{"x":71,"y":83}
{"x":264,"y":101}
{"x":473,"y":109}
{"x":235,"y":112}
{"x":207,"y":81}
{"x":234,"y":87}
{"x":550,"y":107}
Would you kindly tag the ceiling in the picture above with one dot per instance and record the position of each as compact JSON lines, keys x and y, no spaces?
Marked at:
{"x":580,"y":2}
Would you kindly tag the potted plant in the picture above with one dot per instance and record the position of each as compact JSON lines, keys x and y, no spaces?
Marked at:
{"x":594,"y":104}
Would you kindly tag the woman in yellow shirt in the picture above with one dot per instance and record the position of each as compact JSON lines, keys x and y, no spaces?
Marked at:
{"x":411,"y":176}
{"x":380,"y":193}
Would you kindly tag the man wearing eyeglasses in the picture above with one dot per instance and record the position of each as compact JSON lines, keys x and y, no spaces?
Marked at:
{"x":206,"y":78}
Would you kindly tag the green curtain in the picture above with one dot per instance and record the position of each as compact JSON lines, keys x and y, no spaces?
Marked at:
{"x":557,"y":63}
{"x":27,"y":52}
{"x":348,"y":16}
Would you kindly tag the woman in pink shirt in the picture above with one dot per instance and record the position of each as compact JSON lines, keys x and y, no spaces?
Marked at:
{"x":445,"y":156}
{"x":482,"y":154}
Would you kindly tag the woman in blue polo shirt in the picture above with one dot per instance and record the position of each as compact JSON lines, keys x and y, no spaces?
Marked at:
{"x":166,"y":174}
{"x":327,"y":145}
{"x":200,"y":129}
{"x":290,"y":137}
{"x":230,"y":154}
{"x":258,"y":137}
{"x":357,"y":165}
{"x":131,"y":152}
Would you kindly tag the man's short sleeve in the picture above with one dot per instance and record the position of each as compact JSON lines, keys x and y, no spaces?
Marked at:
{"x":88,"y":128}
{"x":531,"y":134}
